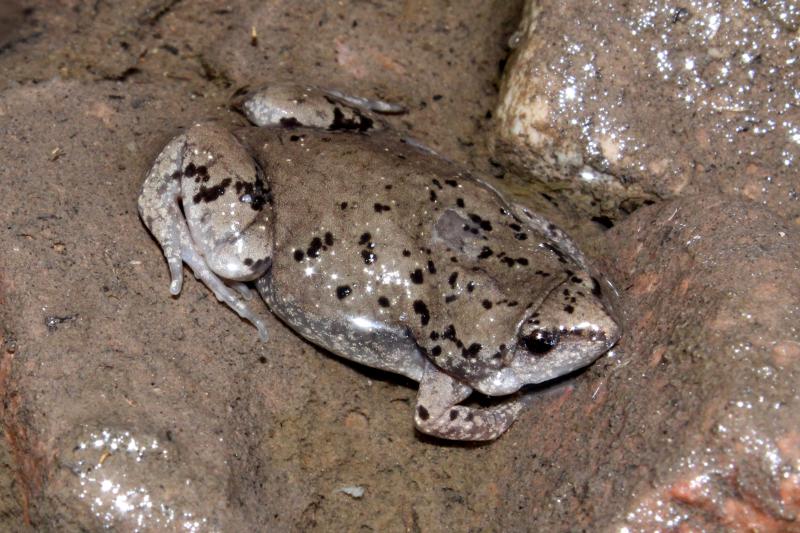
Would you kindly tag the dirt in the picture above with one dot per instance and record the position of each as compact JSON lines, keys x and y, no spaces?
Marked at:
{"x":124,"y":408}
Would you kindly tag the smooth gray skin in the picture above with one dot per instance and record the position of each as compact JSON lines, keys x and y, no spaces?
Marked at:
{"x":378,"y":251}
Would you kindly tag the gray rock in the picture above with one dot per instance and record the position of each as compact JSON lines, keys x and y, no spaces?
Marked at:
{"x":636,"y":101}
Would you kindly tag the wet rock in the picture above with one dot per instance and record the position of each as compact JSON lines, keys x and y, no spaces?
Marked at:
{"x":673,"y":422}
{"x":127,"y":480}
{"x":636,"y":101}
{"x":74,"y":248}
{"x":692,"y":422}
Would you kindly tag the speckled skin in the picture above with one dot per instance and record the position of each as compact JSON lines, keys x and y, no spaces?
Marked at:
{"x":380,"y":252}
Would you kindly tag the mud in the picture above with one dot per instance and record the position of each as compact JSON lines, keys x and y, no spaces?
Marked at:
{"x":125,"y":408}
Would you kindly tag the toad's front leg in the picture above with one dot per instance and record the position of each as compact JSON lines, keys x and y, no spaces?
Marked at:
{"x":204,"y":201}
{"x":438,"y":413}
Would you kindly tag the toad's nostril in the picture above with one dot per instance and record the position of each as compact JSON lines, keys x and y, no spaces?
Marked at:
{"x":541,"y":341}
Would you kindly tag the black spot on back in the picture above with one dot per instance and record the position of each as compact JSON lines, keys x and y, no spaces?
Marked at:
{"x":314,"y":247}
{"x":368,"y":256}
{"x":209,"y":194}
{"x":422,"y":310}
{"x":417,"y":277}
{"x":484,"y":224}
{"x":254,"y":193}
{"x":343,"y":291}
{"x":472,"y":350}
{"x":452,"y":279}
{"x":485,"y":252}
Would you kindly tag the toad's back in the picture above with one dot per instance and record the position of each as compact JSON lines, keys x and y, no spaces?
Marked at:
{"x":396,"y":247}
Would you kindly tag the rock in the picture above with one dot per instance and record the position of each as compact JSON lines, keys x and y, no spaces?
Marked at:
{"x":637,"y":101}
{"x":74,"y":250}
{"x":354,"y":491}
{"x":94,"y":349}
{"x":692,"y":423}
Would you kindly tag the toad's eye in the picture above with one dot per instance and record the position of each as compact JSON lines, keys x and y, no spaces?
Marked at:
{"x":540,"y":341}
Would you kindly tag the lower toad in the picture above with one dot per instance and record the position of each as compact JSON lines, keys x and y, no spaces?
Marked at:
{"x":378,"y":250}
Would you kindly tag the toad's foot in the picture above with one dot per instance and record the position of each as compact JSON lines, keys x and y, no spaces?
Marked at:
{"x":377,"y":106}
{"x":438,"y":414}
{"x":159,"y":208}
{"x":292,"y":105}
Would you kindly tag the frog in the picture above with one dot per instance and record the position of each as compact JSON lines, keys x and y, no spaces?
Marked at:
{"x":378,"y":250}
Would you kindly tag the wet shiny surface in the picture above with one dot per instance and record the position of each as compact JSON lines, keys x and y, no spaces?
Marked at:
{"x":305,"y":425}
{"x":662,"y":93}
{"x":375,"y":236}
{"x":115,"y":471}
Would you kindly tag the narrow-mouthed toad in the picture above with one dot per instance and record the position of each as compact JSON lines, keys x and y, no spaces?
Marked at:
{"x":377,"y":250}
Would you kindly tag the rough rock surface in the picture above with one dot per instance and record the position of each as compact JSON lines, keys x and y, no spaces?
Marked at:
{"x":692,"y":424}
{"x":641,"y":100}
{"x":124,"y":408}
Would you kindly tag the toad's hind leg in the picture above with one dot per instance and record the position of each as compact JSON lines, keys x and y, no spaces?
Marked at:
{"x":438,"y":414}
{"x":291,"y":105}
{"x":160,"y":209}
